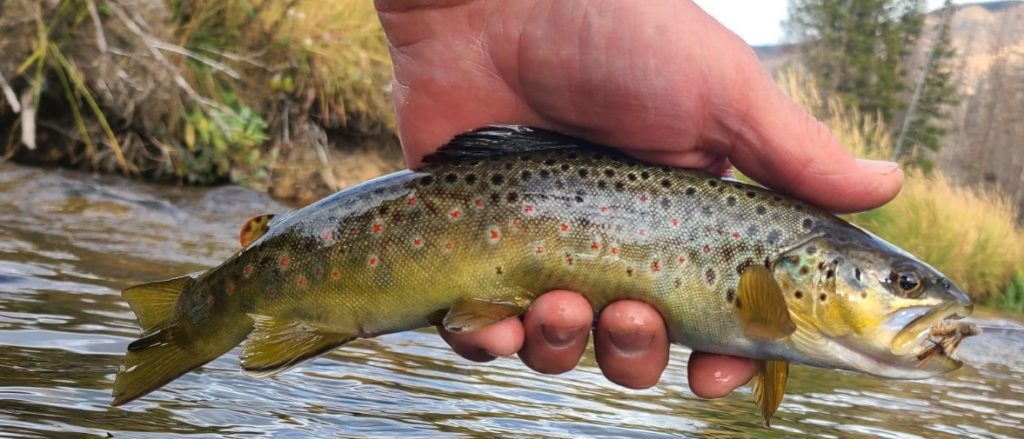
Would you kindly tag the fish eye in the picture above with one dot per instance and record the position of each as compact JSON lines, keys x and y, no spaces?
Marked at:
{"x":906,"y":282}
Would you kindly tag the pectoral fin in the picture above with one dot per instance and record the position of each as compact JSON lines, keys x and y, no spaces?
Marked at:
{"x":274,"y":347}
{"x":761,"y":305}
{"x":471,"y":314}
{"x":770,"y":386}
{"x":254,"y":228}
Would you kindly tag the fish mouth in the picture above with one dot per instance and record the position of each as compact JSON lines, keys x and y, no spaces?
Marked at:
{"x":931,"y":337}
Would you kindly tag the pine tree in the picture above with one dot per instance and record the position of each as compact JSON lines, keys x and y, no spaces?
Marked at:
{"x":934,"y":95}
{"x":858,"y":48}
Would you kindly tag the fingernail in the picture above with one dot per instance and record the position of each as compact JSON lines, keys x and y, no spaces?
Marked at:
{"x":631,"y":342}
{"x":880,"y":167}
{"x":560,"y":337}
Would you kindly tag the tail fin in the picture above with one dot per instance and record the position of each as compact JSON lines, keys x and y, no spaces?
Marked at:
{"x":154,"y":302}
{"x":165,"y":350}
{"x":151,"y":362}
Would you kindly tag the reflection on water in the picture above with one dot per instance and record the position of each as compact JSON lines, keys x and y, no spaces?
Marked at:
{"x":69,"y":242}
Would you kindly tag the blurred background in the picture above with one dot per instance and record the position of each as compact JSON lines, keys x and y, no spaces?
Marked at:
{"x":291,"y":97}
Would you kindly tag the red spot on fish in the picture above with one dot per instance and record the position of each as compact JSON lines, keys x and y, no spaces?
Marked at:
{"x":564,"y":228}
{"x":271,"y":291}
{"x":595,"y":245}
{"x":643,"y":232}
{"x":326,"y":235}
{"x":302,"y":282}
{"x":675,"y":222}
{"x":682,"y":260}
{"x":478,"y":202}
{"x":707,"y":249}
{"x":615,"y":250}
{"x":643,"y":198}
{"x":373,"y":261}
{"x":377,"y":228}
{"x":540,"y":250}
{"x":449,"y":245}
{"x":411,"y":201}
{"x":417,"y":242}
{"x":455,"y":214}
{"x":736,"y":235}
{"x":655,"y":266}
{"x":247,"y":271}
{"x":528,"y":209}
{"x":319,"y":271}
{"x":495,"y":234}
{"x":336,"y":274}
{"x":229,"y":288}
{"x":568,"y":259}
{"x":284,"y":261}
{"x":604,"y":210}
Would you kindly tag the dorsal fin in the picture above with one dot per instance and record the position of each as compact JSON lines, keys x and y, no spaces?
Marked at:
{"x":497,"y":140}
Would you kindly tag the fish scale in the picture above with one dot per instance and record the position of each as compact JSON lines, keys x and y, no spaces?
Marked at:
{"x":502,"y":215}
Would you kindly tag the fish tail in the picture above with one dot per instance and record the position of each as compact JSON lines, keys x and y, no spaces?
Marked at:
{"x":170,"y":346}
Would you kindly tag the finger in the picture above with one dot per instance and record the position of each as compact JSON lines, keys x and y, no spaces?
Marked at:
{"x":557,"y":328}
{"x":631,"y":344}
{"x":714,"y":376}
{"x":771,"y":139}
{"x":498,"y":340}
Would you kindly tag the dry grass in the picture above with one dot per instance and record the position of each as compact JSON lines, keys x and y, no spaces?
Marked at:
{"x":970,"y":234}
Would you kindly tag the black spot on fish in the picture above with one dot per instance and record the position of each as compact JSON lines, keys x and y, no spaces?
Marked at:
{"x":807,"y":223}
{"x":619,"y":186}
{"x":707,"y":210}
{"x":665,"y":183}
{"x":451,"y":178}
{"x":857,"y":273}
{"x":550,"y":162}
{"x":760,"y":210}
{"x":773,"y":237}
{"x":495,"y":197}
{"x":525,"y":175}
{"x":751,"y":194}
{"x":811,"y":249}
{"x":710,"y":276}
{"x":497,"y":179}
{"x":728,"y":252}
{"x":559,"y":184}
{"x":601,"y":184}
{"x":509,"y":166}
{"x":645,"y":175}
{"x":609,"y":173}
{"x":665,"y":203}
{"x":631,"y":176}
{"x":753,"y":230}
{"x":427,"y":181}
{"x":798,"y":294}
{"x":512,"y":197}
{"x":804,"y":270}
{"x":823,"y":297}
{"x":767,"y":262}
{"x":497,"y":270}
{"x":578,"y":199}
{"x":690,"y":191}
{"x":776,"y":198}
{"x":863,"y":294}
{"x":713,"y":183}
{"x":582,"y":173}
{"x":629,"y":271}
{"x":678,"y":283}
{"x":730,"y":200}
{"x":566,"y":167}
{"x":544,"y":173}
{"x":730,"y":295}
{"x":470,"y":178}
{"x":830,"y":273}
{"x":744,"y":265}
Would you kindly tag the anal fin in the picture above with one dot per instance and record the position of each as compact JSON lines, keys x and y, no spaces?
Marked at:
{"x":770,"y":386}
{"x":468,"y":315}
{"x":274,"y":347}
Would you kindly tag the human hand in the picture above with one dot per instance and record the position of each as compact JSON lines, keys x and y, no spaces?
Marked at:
{"x":660,"y":80}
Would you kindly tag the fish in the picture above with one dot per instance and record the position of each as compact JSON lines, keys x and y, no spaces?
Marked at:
{"x":504,"y":213}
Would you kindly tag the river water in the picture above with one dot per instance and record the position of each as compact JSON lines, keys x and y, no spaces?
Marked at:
{"x":70,"y":241}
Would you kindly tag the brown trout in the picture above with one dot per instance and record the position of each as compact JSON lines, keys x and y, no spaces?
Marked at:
{"x":505,"y":213}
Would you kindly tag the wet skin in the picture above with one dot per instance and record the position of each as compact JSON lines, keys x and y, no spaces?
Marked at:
{"x":712,"y":105}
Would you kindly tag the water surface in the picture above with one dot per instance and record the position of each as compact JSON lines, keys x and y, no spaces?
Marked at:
{"x":70,"y":241}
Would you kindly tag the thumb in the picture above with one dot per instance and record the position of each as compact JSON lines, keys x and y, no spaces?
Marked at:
{"x":780,"y":145}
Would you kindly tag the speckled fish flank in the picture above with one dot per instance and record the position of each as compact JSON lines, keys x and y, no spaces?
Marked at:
{"x":504,"y":214}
